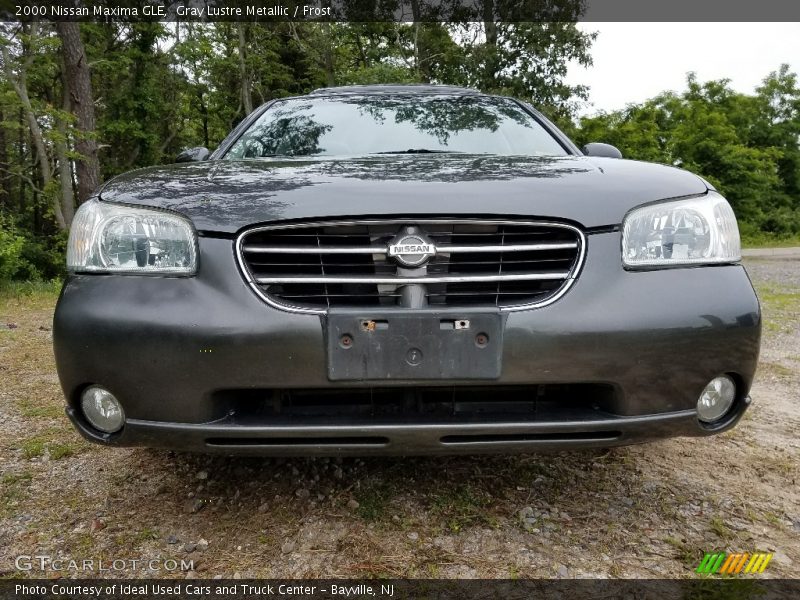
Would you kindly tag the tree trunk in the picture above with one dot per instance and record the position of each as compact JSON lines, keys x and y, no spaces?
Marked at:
{"x":21,"y":158}
{"x":362,"y":55}
{"x":61,"y":148}
{"x":19,"y":83}
{"x":36,"y":185}
{"x":81,"y":99}
{"x":327,"y":56}
{"x":204,"y":117}
{"x":490,"y":31}
{"x":247,"y":99}
{"x":64,"y":175}
{"x":5,"y":177}
{"x":418,"y":58}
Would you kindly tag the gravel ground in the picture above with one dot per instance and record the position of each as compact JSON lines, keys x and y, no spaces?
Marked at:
{"x":643,"y":511}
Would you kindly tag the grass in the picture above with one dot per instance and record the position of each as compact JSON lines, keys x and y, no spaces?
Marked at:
{"x":775,"y":369}
{"x":461,"y":506}
{"x":29,"y":408}
{"x":33,"y":447}
{"x":12,"y":490}
{"x":778,"y":463}
{"x":765,"y":240}
{"x":36,"y":446}
{"x":458,"y":500}
{"x":10,"y":479}
{"x":781,"y":306}
{"x":373,"y":502}
{"x":683,"y":551}
{"x":146,"y":534}
{"x":58,"y":451}
{"x":779,"y":298}
{"x":25,"y":321}
{"x":30,"y":291}
{"x":720,"y":529}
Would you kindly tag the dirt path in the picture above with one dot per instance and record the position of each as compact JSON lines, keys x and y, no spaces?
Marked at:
{"x":633,"y":512}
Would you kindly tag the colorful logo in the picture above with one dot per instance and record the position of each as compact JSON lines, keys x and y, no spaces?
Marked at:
{"x":734,"y":564}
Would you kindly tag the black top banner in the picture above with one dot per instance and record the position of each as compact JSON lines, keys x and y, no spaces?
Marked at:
{"x":401,"y":10}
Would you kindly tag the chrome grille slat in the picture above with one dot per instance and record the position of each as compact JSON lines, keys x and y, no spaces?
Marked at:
{"x":397,"y":280}
{"x":382,"y":250}
{"x":313,"y":250}
{"x":311,"y":267}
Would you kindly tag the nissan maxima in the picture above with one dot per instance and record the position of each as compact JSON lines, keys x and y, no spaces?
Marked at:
{"x":404,"y":270}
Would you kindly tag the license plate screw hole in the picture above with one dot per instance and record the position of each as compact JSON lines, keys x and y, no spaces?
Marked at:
{"x":481,"y":340}
{"x":346,"y":341}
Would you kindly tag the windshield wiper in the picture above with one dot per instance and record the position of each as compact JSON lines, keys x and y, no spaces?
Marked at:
{"x":419,"y":151}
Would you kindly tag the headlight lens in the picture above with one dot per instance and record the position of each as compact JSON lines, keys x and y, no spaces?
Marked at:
{"x":693,"y":231}
{"x":115,"y":238}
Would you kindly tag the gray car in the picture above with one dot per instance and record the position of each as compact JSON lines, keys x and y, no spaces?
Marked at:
{"x":404,"y":270}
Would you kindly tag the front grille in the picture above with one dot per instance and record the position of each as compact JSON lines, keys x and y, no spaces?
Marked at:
{"x":506,"y":264}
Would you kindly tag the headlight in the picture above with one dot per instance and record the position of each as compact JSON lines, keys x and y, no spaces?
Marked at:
{"x":681,"y":232}
{"x":116,"y":238}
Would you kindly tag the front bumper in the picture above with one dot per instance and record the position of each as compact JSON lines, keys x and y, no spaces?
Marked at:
{"x":170,"y":348}
{"x":409,"y":440}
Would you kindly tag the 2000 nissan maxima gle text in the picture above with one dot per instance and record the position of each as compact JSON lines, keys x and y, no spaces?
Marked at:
{"x":404,"y":269}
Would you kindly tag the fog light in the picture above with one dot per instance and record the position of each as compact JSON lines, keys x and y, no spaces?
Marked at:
{"x":102,"y":409}
{"x":716,"y":399}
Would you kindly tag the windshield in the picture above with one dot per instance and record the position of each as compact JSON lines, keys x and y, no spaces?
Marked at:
{"x":360,"y":125}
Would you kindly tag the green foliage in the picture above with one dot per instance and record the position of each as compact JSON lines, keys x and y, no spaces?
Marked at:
{"x":11,"y":245}
{"x":24,"y":256}
{"x":162,"y":87}
{"x":44,"y":256}
{"x":744,"y":145}
{"x":529,"y":61}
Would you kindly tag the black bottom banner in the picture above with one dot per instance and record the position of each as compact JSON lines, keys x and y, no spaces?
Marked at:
{"x":428,"y":589}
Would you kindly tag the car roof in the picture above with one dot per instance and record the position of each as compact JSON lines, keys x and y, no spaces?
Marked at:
{"x":394,"y":88}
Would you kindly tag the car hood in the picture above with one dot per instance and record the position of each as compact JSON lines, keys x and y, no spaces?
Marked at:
{"x":225,"y":196}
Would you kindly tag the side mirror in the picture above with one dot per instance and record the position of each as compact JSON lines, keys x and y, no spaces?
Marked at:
{"x":605,"y":150}
{"x":193,"y":155}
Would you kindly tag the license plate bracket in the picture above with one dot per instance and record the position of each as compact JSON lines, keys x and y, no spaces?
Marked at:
{"x":414,"y":345}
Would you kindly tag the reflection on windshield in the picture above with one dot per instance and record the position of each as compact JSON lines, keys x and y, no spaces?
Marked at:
{"x":446,"y":116}
{"x":286,"y":133}
{"x":361,"y":125}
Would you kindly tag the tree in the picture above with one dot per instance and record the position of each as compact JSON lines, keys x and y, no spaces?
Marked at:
{"x":83,"y":102}
{"x":78,"y":91}
{"x":5,"y":166}
{"x":777,"y":124}
{"x":526,"y":60}
{"x":16,"y":68}
{"x":745,"y":145}
{"x":244,"y":72}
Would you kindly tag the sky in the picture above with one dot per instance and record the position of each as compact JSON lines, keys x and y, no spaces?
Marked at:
{"x":636,"y":61}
